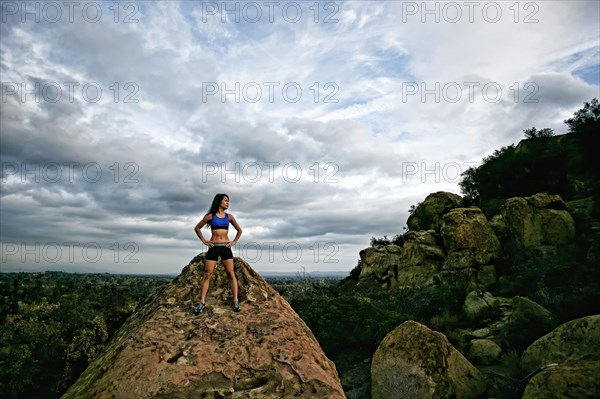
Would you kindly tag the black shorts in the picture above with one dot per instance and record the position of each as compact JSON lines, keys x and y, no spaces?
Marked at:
{"x":216,"y":251}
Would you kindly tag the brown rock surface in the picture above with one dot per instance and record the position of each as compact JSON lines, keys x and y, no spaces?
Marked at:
{"x":413,"y":361}
{"x":165,"y":351}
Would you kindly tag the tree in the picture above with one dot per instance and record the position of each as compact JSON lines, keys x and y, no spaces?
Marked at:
{"x":533,"y":133}
{"x":588,"y":115}
{"x":413,"y":208}
{"x":85,"y":346}
{"x":468,"y":185}
{"x":380,"y":242}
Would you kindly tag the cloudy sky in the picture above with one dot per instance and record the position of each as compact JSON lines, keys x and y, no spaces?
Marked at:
{"x":324,"y":121}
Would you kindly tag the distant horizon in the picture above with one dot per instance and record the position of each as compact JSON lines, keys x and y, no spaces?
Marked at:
{"x":80,"y":270}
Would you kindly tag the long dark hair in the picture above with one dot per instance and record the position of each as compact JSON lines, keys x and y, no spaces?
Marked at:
{"x":214,"y":207}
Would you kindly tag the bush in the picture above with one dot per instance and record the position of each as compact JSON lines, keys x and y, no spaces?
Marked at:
{"x":533,"y":133}
{"x":543,"y":163}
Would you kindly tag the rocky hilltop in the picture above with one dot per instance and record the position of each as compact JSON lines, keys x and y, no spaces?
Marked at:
{"x":447,"y":241}
{"x":165,"y":351}
{"x":530,"y":239}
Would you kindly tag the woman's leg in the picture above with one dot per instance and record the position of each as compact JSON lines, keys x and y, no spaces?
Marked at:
{"x":209,"y":268}
{"x":232,"y":279}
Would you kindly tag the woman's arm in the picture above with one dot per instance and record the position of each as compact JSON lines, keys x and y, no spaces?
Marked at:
{"x":238,"y":228}
{"x":199,"y":226}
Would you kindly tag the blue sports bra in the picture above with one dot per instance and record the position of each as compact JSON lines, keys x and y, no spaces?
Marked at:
{"x":219,"y":223}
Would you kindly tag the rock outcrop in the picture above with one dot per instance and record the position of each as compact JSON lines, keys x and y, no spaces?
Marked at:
{"x":165,"y":351}
{"x":539,"y":220}
{"x":428,"y":214}
{"x":413,"y":361}
{"x":414,"y":264}
{"x":479,"y":305}
{"x":575,"y":349}
{"x":445,"y":242}
{"x":577,"y":339}
{"x":468,"y":238}
{"x":380,"y":263}
{"x":498,"y":324}
{"x":484,"y":351}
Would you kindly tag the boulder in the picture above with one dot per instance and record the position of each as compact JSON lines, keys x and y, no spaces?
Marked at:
{"x":574,"y":340}
{"x":380,"y":263}
{"x":420,"y":247}
{"x":413,"y":361}
{"x":428,"y":214}
{"x":412,"y":265}
{"x":500,"y":229}
{"x":582,"y":210}
{"x":166,"y":351}
{"x":420,"y":260}
{"x":479,"y":305}
{"x":541,"y":219}
{"x":486,"y":277}
{"x":484,"y":351}
{"x":524,"y":322}
{"x":571,"y":379}
{"x":491,"y":206}
{"x":468,"y":239}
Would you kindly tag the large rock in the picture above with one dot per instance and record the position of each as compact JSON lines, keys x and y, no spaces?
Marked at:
{"x":420,"y":260}
{"x":484,"y":351}
{"x":428,"y":214}
{"x":479,"y":305}
{"x":582,"y":211}
{"x":512,"y":323}
{"x":165,"y":351}
{"x":380,"y":263}
{"x":468,"y":238}
{"x":574,"y":340}
{"x":541,"y":219}
{"x":414,"y":264}
{"x":571,"y":379}
{"x":525,"y":322}
{"x":575,"y":349}
{"x":413,"y":361}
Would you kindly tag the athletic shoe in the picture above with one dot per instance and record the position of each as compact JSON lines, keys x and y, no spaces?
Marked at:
{"x":198,"y":309}
{"x":236,"y":306}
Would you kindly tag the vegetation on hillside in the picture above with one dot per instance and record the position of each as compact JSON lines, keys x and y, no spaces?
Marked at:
{"x":350,"y":320}
{"x":564,"y":165}
{"x":52,"y":325}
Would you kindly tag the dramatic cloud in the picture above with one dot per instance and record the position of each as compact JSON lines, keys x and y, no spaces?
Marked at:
{"x":324,"y":121}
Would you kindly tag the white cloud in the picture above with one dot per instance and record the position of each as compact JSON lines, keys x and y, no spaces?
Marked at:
{"x":385,"y":147}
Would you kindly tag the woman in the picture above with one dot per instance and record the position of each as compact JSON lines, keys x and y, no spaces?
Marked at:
{"x":219,"y":245}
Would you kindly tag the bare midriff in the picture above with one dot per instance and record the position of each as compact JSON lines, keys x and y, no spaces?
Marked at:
{"x":219,"y":235}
